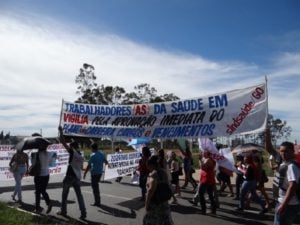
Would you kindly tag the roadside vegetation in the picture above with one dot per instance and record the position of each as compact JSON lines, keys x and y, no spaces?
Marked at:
{"x":12,"y":216}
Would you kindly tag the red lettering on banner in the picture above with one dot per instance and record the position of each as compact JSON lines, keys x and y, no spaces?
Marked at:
{"x":55,"y":170}
{"x":75,"y":118}
{"x":141,"y":110}
{"x":237,"y":121}
{"x":217,"y":157}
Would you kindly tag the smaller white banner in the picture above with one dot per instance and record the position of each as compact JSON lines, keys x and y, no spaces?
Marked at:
{"x":121,"y":164}
{"x":224,"y":158}
{"x":58,"y":164}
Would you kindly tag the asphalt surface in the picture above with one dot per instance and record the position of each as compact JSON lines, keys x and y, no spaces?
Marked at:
{"x":121,"y":205}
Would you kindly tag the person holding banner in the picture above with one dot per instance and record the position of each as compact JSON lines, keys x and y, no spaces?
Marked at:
{"x":20,"y":162}
{"x":73,"y":176}
{"x":95,"y":164}
{"x":207,"y":180}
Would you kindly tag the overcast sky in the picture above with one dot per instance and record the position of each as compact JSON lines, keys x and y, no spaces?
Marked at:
{"x":191,"y":48}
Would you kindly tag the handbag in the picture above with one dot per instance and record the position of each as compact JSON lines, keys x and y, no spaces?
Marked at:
{"x":264,"y":177}
{"x":180,"y":173}
{"x":34,"y":170}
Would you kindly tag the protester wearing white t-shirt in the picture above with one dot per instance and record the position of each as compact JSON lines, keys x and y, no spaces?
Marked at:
{"x":288,"y":204}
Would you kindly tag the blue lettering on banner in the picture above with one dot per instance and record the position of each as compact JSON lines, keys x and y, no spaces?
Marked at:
{"x":159,"y":109}
{"x":98,"y":110}
{"x":93,"y":131}
{"x":100,"y":131}
{"x":130,"y":132}
{"x":72,"y":128}
{"x":187,"y":105}
{"x":184,"y":131}
{"x":217,"y":101}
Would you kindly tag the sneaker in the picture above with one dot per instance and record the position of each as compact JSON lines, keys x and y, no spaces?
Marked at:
{"x":263,"y":211}
{"x":96,"y":204}
{"x":60,"y":213}
{"x":38,"y":210}
{"x":13,"y":197}
{"x":49,"y":208}
{"x":239,"y":209}
{"x":193,"y":202}
{"x":20,"y":202}
{"x":177,"y":194}
{"x":82,"y":217}
{"x":174,"y":202}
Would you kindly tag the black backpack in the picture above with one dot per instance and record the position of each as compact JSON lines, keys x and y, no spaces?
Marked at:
{"x":163,"y":190}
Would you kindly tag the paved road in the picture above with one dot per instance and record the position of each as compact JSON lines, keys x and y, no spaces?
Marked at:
{"x":121,"y":205}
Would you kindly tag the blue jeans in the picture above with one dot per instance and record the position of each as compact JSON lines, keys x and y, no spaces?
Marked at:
{"x":249,"y":186}
{"x":143,"y":183}
{"x":95,"y":186}
{"x":18,"y":175}
{"x":70,"y":181}
{"x":288,"y":216}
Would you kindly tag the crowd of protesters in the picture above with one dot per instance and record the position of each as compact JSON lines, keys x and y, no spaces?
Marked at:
{"x":160,"y":171}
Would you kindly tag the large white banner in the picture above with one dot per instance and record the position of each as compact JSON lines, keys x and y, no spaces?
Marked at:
{"x":58,"y":165}
{"x":121,"y":164}
{"x":222,"y":114}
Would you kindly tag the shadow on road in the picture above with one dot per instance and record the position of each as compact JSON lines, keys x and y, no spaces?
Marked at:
{"x":117,"y":212}
{"x":184,"y":209}
{"x":134,"y":204}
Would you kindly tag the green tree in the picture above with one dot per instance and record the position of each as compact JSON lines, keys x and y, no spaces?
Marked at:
{"x":279,"y":129}
{"x":92,"y":93}
{"x":86,"y":80}
{"x":109,"y":95}
{"x":144,"y":93}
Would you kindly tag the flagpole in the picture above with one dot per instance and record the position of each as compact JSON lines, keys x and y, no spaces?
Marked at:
{"x":61,"y":112}
{"x":267,"y":98}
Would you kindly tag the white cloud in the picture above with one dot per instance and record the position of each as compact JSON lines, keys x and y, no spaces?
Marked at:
{"x":39,"y":62}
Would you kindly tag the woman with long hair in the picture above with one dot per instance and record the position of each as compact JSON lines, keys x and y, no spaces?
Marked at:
{"x":157,"y":210}
{"x":20,"y":162}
